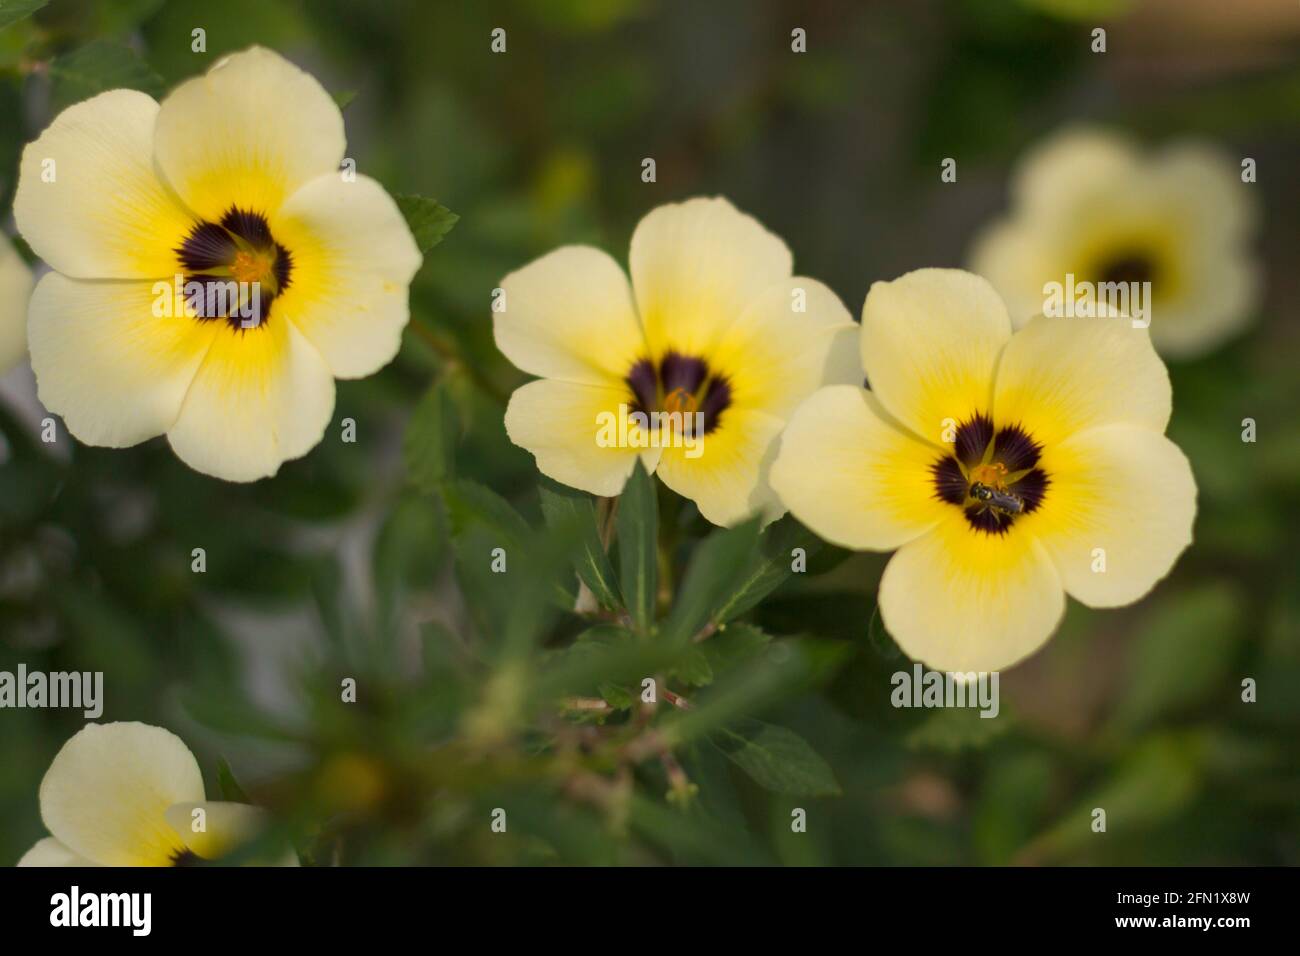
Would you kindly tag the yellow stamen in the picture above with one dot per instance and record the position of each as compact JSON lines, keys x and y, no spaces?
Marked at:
{"x":993,"y":474}
{"x":680,"y":400}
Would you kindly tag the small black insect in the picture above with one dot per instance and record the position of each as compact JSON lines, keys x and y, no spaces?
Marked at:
{"x":1003,"y":501}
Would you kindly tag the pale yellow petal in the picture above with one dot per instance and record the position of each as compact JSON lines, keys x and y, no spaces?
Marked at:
{"x":1117,"y":514}
{"x":569,"y":316}
{"x":353,"y":261}
{"x":249,"y":132}
{"x":573,"y":431}
{"x":262,"y":396}
{"x":15,"y":289}
{"x":50,"y":852}
{"x":214,"y":829}
{"x":854,"y":476}
{"x":962,"y":600}
{"x":109,"y":357}
{"x":89,"y":200}
{"x":728,"y":478}
{"x":695,"y":266}
{"x":106,"y":794}
{"x":792,"y":339}
{"x":1059,"y":376}
{"x":1077,"y":161}
{"x":930,"y":344}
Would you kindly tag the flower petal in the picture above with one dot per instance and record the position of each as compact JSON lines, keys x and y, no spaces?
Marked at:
{"x":254,"y":129}
{"x":728,"y":480}
{"x":262,"y":396}
{"x":774,"y":357}
{"x":930,"y":344}
{"x":1126,"y":490}
{"x":1059,"y":376}
{"x":50,"y":852}
{"x":853,"y":475}
{"x":1077,"y":161}
{"x":569,"y":316}
{"x":353,"y":261}
{"x":114,"y":370}
{"x":221,"y":829}
{"x":89,"y":201}
{"x":958,"y":599}
{"x":695,"y":266}
{"x":559,"y":424}
{"x":15,"y":290}
{"x":106,"y":793}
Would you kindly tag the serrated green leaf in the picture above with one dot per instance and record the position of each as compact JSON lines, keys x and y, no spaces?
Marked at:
{"x":694,"y":668}
{"x":638,"y":536}
{"x":230,"y":789}
{"x":777,"y":759}
{"x":562,"y":505}
{"x":11,"y":11}
{"x":429,"y":445}
{"x":953,"y":729}
{"x":717,"y":569}
{"x":767,"y":568}
{"x":620,"y":698}
{"x":98,"y":66}
{"x":429,"y":220}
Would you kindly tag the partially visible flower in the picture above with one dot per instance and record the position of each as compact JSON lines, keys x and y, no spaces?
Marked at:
{"x":128,"y":794}
{"x":214,"y":270}
{"x":1088,"y":204}
{"x":15,"y":289}
{"x":1006,"y":469}
{"x":712,"y":325}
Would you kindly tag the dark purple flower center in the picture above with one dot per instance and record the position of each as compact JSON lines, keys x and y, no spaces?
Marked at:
{"x":992,"y":474}
{"x":233,"y":270}
{"x":679,"y":383}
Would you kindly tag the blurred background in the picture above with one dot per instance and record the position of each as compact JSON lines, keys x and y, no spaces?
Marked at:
{"x":345,"y":564}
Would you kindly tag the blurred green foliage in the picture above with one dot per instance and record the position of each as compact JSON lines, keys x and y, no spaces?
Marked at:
{"x":479,"y":690}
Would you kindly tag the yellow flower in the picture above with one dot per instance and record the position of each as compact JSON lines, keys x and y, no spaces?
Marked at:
{"x":15,"y":288}
{"x":128,"y":794}
{"x":713,"y":329}
{"x":214,"y":270}
{"x":1006,"y":469}
{"x":1088,"y":204}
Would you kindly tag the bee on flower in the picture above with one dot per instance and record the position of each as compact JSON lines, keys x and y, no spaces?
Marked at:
{"x":693,"y":367}
{"x":1004,"y":469}
{"x":1168,"y":229}
{"x":128,"y":794}
{"x":213,"y":272}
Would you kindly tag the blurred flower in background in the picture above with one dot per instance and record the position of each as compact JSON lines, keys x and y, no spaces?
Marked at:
{"x":1089,"y":204}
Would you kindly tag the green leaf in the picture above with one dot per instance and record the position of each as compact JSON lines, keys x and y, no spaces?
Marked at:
{"x":230,"y":789}
{"x":98,"y":66}
{"x":953,"y":729}
{"x":767,"y":568}
{"x":620,"y":698}
{"x":1182,"y":656}
{"x":11,"y":11}
{"x":694,"y":668}
{"x":638,"y":536}
{"x":563,"y":506}
{"x":470,"y":504}
{"x":718,"y":568}
{"x":429,"y":220}
{"x":777,"y":759}
{"x":429,"y":446}
{"x":343,"y":97}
